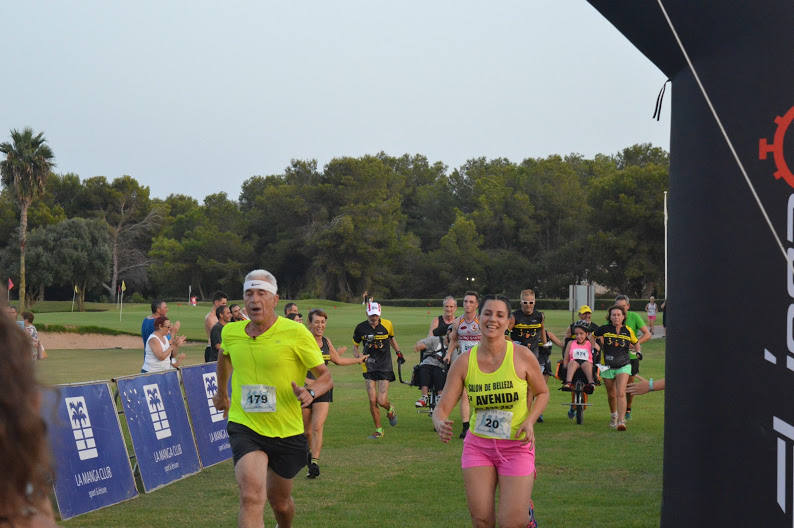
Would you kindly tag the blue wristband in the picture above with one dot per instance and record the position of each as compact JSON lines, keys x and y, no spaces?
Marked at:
{"x":650,"y":384}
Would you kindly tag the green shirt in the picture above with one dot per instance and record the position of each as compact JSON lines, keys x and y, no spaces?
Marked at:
{"x":276,"y":358}
{"x":635,"y":322}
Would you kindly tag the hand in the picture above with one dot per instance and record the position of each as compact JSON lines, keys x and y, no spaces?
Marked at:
{"x":444,"y":429}
{"x":527,"y":430}
{"x":447,"y":358}
{"x":221,"y":403}
{"x":641,"y":386}
{"x":400,"y":358}
{"x":303,"y":395}
{"x":341,"y":350}
{"x":363,"y":358}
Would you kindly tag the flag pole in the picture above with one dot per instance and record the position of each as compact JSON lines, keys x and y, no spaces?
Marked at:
{"x":666,"y":289}
{"x":121,"y":304}
{"x":74,"y":292}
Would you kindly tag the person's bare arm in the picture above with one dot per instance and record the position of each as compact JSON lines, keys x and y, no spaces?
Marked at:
{"x":321,"y":384}
{"x":221,"y":398}
{"x":433,"y":326}
{"x":337,"y":359}
{"x":453,"y":389}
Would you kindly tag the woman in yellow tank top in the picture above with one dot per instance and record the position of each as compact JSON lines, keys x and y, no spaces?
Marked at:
{"x":507,"y":393}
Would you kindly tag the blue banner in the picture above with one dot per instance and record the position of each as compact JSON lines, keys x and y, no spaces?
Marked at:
{"x":92,"y":466}
{"x":159,"y":428}
{"x":209,"y":425}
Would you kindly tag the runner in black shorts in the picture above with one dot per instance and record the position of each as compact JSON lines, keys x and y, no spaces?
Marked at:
{"x":377,"y":336}
{"x":265,"y":426}
{"x":315,"y":415}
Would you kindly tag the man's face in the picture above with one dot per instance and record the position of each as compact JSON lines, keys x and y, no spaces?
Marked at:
{"x":450,"y":307}
{"x":292,"y":309}
{"x":373,"y":320}
{"x":259,"y":304}
{"x":162,"y":309}
{"x":585,"y":316}
{"x":226,"y":315}
{"x":470,"y":304}
{"x":622,"y":303}
{"x":528,"y":304}
{"x":221,"y":302}
{"x":236,"y":313}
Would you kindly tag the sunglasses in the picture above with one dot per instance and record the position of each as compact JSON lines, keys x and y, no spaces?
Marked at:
{"x":527,"y":302}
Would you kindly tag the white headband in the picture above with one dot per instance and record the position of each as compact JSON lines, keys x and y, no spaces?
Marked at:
{"x":257,"y":284}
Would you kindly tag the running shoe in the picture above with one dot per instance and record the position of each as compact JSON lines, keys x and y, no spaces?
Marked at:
{"x":567,"y":387}
{"x":377,"y":435}
{"x":532,"y":522}
{"x":571,"y":413}
{"x":540,"y":419}
{"x":421,"y":402}
{"x":314,"y":471}
{"x":628,"y":415}
{"x":613,"y":421}
{"x":392,"y":416}
{"x":621,"y":426}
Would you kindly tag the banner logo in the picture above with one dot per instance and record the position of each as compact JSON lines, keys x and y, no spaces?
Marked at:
{"x":157,"y":411}
{"x":210,"y":388}
{"x":776,"y":148}
{"x":81,"y":427}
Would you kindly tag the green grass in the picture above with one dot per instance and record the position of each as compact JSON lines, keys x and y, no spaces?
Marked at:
{"x":587,"y":474}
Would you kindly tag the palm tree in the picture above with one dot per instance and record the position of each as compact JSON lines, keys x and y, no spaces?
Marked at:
{"x":24,"y":171}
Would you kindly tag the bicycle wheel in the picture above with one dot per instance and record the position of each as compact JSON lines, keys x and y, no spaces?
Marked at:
{"x":579,"y":406}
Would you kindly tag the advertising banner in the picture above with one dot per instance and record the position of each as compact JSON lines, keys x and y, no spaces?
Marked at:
{"x":159,"y":428}
{"x":209,"y":425}
{"x":92,"y":466}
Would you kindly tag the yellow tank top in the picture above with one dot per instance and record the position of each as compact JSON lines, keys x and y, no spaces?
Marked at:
{"x":498,"y":399}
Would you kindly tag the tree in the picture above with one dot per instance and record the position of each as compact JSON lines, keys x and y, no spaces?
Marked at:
{"x":25,"y":170}
{"x":75,"y":252}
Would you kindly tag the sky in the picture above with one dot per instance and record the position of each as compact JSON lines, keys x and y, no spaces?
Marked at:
{"x":196,"y":97}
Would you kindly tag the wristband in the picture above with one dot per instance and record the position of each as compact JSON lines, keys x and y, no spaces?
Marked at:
{"x":650,"y":384}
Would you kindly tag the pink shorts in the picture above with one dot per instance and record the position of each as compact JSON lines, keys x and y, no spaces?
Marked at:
{"x":652,"y":318}
{"x":510,"y":457}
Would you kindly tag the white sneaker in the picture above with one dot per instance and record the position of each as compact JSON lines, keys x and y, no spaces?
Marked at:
{"x":421,"y":402}
{"x":613,"y":421}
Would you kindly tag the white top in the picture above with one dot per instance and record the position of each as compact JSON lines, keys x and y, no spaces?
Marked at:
{"x":651,"y":309}
{"x":150,"y":361}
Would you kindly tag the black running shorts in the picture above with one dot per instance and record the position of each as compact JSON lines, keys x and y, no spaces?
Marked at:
{"x":376,"y":375}
{"x":635,"y":367}
{"x":327,"y":397}
{"x":285,"y":456}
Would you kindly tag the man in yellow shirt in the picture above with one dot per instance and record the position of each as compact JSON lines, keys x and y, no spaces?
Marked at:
{"x":267,"y":358}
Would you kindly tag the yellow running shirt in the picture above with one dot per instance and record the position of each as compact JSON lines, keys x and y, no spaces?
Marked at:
{"x":264,"y":369}
{"x":498,"y":399}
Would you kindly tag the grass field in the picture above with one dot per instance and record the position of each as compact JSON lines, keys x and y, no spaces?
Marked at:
{"x":587,"y":474}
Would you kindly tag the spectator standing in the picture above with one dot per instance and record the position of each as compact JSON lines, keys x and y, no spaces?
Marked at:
{"x":224,"y":315}
{"x":37,"y":347}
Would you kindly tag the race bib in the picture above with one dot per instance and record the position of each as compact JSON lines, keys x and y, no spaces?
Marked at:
{"x":581,"y":353}
{"x":258,"y":398}
{"x":493,"y":423}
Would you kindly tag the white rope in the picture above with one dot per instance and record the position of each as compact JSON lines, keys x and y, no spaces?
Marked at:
{"x":722,"y":129}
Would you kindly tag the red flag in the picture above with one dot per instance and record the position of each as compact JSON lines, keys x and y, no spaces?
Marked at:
{"x":10,"y":284}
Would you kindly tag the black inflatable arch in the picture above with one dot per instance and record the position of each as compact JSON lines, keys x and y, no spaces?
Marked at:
{"x":729,"y":408}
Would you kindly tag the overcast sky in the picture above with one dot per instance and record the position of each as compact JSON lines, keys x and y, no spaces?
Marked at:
{"x":196,"y":97}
